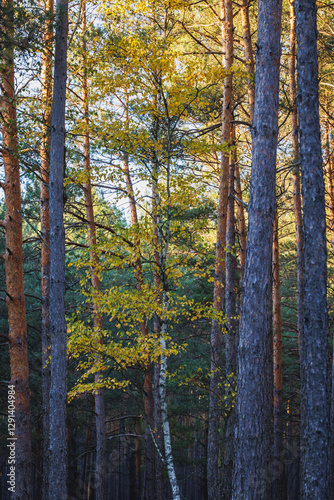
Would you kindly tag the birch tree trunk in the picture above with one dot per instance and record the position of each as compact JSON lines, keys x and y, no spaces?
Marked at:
{"x":100,"y":418}
{"x":13,"y":257}
{"x":252,"y":474}
{"x":46,"y":77}
{"x":218,"y":294}
{"x":314,"y":380}
{"x":58,"y":389}
{"x":163,"y":403}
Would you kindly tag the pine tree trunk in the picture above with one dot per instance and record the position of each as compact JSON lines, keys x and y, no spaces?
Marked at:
{"x":230,"y":342}
{"x":46,"y":77}
{"x":241,"y":221}
{"x":58,"y":389}
{"x":13,"y":257}
{"x":248,"y":49}
{"x":330,"y":190}
{"x":314,"y":380}
{"x":218,"y":299}
{"x":252,"y":474}
{"x":278,"y":466}
{"x":297,"y":202}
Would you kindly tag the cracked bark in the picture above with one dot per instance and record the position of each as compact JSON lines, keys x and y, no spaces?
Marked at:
{"x":314,"y":382}
{"x":15,"y":301}
{"x":252,"y":472}
{"x":58,"y":387}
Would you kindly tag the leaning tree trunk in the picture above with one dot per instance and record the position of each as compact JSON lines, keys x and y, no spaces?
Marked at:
{"x":252,"y":474}
{"x":213,"y":450}
{"x":314,"y":373}
{"x":58,"y":390}
{"x":13,"y":257}
{"x":46,"y":77}
{"x":278,"y":466}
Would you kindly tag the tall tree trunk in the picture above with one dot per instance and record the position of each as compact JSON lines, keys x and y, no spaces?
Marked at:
{"x":330,"y":189}
{"x":230,"y":342}
{"x":160,"y":282}
{"x":163,"y":403}
{"x":158,"y":432}
{"x":218,"y":294}
{"x":297,"y":202}
{"x":100,"y":418}
{"x":252,"y":475}
{"x":58,"y":389}
{"x":46,"y":77}
{"x":248,"y":49}
{"x":13,"y":257}
{"x":329,"y":178}
{"x":314,"y":379}
{"x":278,"y":487}
{"x":241,"y":221}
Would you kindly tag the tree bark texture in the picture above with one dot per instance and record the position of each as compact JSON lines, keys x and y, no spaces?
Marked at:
{"x":248,"y":49}
{"x":330,"y":190}
{"x":314,"y":374}
{"x":218,"y":298}
{"x":329,"y":178}
{"x":252,"y":472}
{"x":58,"y":390}
{"x":241,"y":221}
{"x":231,"y":331}
{"x":163,"y":403}
{"x":100,"y":418}
{"x":46,"y":77}
{"x":278,"y":465}
{"x":13,"y":257}
{"x":297,"y":201}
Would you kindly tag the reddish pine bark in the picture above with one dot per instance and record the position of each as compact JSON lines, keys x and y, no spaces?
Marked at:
{"x":13,"y":257}
{"x":248,"y":49}
{"x":218,"y":298}
{"x":241,"y":221}
{"x":46,"y":77}
{"x":252,"y":474}
{"x":314,"y":350}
